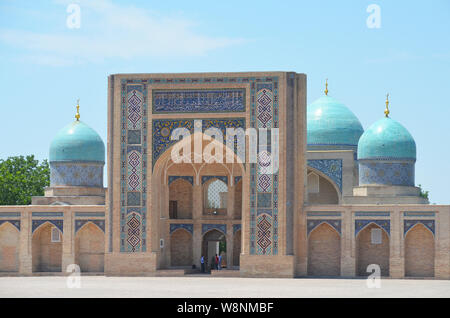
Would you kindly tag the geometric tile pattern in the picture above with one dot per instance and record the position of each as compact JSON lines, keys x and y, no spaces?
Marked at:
{"x":76,"y":174}
{"x":189,"y":179}
{"x":361,"y":224}
{"x":236,"y":227}
{"x":99,"y":223}
{"x":133,"y":183}
{"x":387,"y":173}
{"x":312,"y":224}
{"x":187,"y":227}
{"x":208,"y":227}
{"x":162,"y":131}
{"x":36,"y":223}
{"x":199,"y":101}
{"x":409,"y":224}
{"x":224,"y":179}
{"x":16,"y":223}
{"x":330,"y":167}
{"x":264,"y":186}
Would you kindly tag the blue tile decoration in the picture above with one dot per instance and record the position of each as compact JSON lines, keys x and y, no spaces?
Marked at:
{"x":90,"y":214}
{"x":386,"y":172}
{"x":221,"y":178}
{"x":187,"y":227}
{"x":199,"y":100}
{"x":265,"y":200}
{"x":10,"y":214}
{"x":264,"y":113}
{"x":162,"y":130}
{"x":323,"y":213}
{"x":313,"y":223}
{"x":16,"y":223}
{"x":76,"y":174}
{"x":133,"y":171}
{"x":409,"y":224}
{"x":420,"y":214}
{"x":208,"y":227}
{"x":189,"y":179}
{"x":237,"y":179}
{"x":47,"y":214}
{"x":372,"y":213}
{"x":361,"y":224}
{"x":37,"y":223}
{"x":236,"y":227}
{"x":99,"y":223}
{"x":330,"y":167}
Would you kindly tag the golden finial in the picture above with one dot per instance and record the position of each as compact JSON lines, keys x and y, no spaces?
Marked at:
{"x":386,"y":111}
{"x":77,"y":115}
{"x":326,"y":87}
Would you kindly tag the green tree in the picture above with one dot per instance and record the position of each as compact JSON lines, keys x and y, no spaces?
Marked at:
{"x":424,"y":194}
{"x":21,"y":178}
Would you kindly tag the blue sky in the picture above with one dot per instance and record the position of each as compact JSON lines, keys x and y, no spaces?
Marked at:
{"x":45,"y":66}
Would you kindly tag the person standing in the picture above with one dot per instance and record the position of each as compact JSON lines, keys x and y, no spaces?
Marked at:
{"x":220,"y":263}
{"x":202,"y":262}
{"x":217,"y":262}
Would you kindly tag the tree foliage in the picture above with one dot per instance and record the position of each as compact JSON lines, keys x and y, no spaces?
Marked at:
{"x":424,"y":194}
{"x":21,"y":178}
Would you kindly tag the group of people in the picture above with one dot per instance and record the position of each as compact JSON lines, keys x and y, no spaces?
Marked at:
{"x":216,"y":263}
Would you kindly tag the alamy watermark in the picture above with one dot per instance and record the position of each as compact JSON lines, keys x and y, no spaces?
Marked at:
{"x":374,"y":19}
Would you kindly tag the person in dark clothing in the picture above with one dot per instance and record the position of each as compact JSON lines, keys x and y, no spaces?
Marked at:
{"x":216,"y":262}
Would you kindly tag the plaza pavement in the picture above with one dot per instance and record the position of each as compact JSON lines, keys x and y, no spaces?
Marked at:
{"x":202,"y":286}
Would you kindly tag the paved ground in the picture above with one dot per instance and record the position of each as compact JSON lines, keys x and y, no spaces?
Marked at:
{"x":100,"y":286}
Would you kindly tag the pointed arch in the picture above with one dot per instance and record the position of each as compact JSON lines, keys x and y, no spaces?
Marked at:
{"x":90,"y":247}
{"x":46,"y":254}
{"x":419,"y":251}
{"x":368,"y":253}
{"x":181,"y":252}
{"x":324,"y":251}
{"x":329,"y":192}
{"x":9,"y":247}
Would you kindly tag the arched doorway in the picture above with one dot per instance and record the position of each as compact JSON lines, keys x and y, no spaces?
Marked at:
{"x":324,"y":251}
{"x":181,"y":248}
{"x":236,"y":248}
{"x":90,"y":248}
{"x":214,"y":242}
{"x":215,"y":195}
{"x":372,"y":252}
{"x":419,"y":252}
{"x":47,"y":248}
{"x":9,"y":248}
{"x":321,"y":190}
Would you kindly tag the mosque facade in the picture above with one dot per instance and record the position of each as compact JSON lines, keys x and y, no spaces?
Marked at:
{"x":234,"y":164}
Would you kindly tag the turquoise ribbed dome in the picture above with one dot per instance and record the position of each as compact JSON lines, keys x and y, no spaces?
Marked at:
{"x":387,"y":139}
{"x":77,"y":142}
{"x":332,"y":123}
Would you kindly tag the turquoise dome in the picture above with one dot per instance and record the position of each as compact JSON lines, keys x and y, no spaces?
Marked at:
{"x":330,"y":122}
{"x":77,"y":142}
{"x":387,"y":139}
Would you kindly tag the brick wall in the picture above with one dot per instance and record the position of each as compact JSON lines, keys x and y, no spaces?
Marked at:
{"x":90,"y":248}
{"x":419,"y":252}
{"x":181,"y":248}
{"x":324,"y":252}
{"x":9,"y":251}
{"x":181,"y":191}
{"x":368,"y":253}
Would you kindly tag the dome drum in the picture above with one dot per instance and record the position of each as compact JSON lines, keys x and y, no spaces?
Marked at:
{"x":75,"y":174}
{"x":386,"y":172}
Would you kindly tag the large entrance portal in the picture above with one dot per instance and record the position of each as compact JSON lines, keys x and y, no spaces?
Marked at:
{"x":214,"y":242}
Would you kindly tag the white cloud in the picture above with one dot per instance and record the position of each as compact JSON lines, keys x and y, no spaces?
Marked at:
{"x":110,"y":31}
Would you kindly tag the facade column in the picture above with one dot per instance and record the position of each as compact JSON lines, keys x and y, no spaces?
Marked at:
{"x":442,"y":243}
{"x":197,"y":245}
{"x":396,"y":242}
{"x":197,"y":202}
{"x":230,"y":247}
{"x":348,"y":244}
{"x":230,"y":202}
{"x":68,"y":246}
{"x":25,"y":249}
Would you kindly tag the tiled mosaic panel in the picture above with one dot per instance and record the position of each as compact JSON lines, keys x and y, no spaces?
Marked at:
{"x":99,"y":223}
{"x":189,"y":179}
{"x":37,"y":223}
{"x":134,"y":121}
{"x":199,"y":101}
{"x":76,"y":174}
{"x":187,"y":227}
{"x":220,"y":227}
{"x":162,"y":130}
{"x":312,"y":224}
{"x":330,"y":167}
{"x":409,"y":224}
{"x":361,"y":224}
{"x":16,"y":223}
{"x":264,"y":115}
{"x":387,"y":173}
